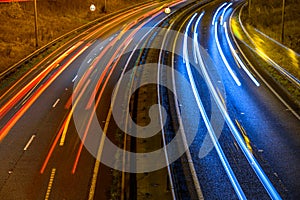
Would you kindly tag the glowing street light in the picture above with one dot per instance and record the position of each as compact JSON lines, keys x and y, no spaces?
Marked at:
{"x":92,"y":7}
{"x":167,"y":10}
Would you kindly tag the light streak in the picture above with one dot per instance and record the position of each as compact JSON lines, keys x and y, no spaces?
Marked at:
{"x":208,"y":125}
{"x":68,"y":119}
{"x":103,"y":87}
{"x":238,"y":58}
{"x":99,"y":154}
{"x":31,"y":70}
{"x":181,"y":126}
{"x":196,"y":25}
{"x":52,"y":148}
{"x":223,"y":13}
{"x":251,"y":159}
{"x":261,"y":78}
{"x":4,"y":131}
{"x":216,"y":13}
{"x":224,"y":58}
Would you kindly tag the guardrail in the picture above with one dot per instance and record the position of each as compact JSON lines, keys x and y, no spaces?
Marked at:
{"x":282,"y":93}
{"x":14,"y":67}
{"x":276,"y":66}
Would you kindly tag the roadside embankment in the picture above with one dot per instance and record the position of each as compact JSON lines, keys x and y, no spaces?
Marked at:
{"x":55,"y":18}
{"x":278,"y":64}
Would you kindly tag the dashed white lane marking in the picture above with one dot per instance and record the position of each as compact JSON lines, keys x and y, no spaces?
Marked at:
{"x":56,"y":102}
{"x":29,"y":142}
{"x":74,"y":78}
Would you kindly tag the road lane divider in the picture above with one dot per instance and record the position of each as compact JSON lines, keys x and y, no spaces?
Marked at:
{"x":73,"y":80}
{"x":29,"y":142}
{"x":100,"y":149}
{"x":245,"y":136}
{"x":55,"y":103}
{"x":99,"y":154}
{"x":51,"y":180}
{"x":127,"y":111}
{"x":101,"y":145}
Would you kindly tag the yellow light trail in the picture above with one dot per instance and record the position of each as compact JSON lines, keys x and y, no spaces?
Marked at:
{"x":66,"y":125}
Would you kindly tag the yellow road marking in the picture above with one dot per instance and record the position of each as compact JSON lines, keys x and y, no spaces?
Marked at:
{"x":99,"y":153}
{"x":245,"y":136}
{"x":50,"y":183}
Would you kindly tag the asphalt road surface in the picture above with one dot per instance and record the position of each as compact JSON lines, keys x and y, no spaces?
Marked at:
{"x":241,"y":137}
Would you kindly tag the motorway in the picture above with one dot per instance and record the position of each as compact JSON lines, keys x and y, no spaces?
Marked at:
{"x":236,"y":137}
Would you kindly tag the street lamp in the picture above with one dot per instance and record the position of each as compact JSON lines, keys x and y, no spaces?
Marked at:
{"x":92,"y":7}
{"x":167,"y":10}
{"x":35,"y":25}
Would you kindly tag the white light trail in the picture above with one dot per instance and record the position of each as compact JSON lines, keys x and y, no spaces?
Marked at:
{"x":216,"y":13}
{"x":223,"y":13}
{"x":208,"y":125}
{"x":249,"y":156}
{"x":237,"y":81}
{"x":238,"y":58}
